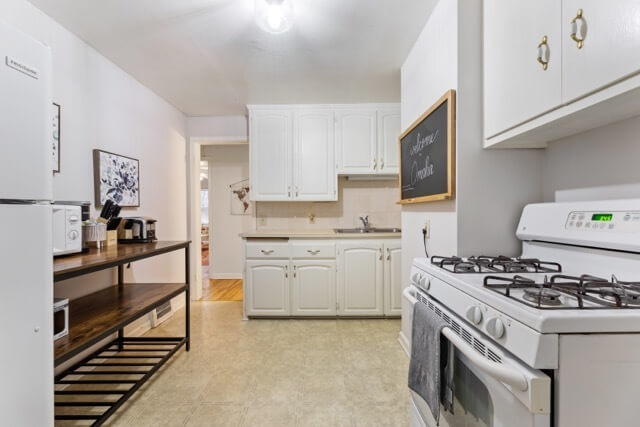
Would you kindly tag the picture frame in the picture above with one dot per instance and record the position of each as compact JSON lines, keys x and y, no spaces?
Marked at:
{"x":55,"y":137}
{"x":117,"y":178}
{"x":418,"y":177}
{"x":240,"y":202}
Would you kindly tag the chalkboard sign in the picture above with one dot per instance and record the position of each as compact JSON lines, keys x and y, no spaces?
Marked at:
{"x":427,"y":154}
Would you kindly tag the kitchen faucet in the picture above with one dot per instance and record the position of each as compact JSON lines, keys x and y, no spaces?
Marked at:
{"x":365,"y":221}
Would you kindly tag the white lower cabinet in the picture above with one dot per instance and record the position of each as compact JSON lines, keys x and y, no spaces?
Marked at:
{"x":393,"y":283}
{"x":311,"y":278}
{"x":267,"y":287}
{"x":360,"y":280}
{"x":313,"y":288}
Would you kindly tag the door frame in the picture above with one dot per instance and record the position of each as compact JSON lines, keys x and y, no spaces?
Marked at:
{"x":193,"y":202}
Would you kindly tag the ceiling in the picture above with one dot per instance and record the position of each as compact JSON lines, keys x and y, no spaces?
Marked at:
{"x":208,"y":57}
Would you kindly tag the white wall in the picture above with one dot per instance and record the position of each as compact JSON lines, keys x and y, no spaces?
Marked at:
{"x":217,"y":126}
{"x":606,"y":156}
{"x":104,"y":107}
{"x":492,"y":186}
{"x":431,"y":69}
{"x":227,"y":165}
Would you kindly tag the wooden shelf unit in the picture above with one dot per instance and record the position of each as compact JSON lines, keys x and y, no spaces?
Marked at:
{"x":97,"y":316}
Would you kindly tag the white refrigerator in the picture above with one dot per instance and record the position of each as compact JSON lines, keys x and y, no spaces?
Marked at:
{"x":26,"y":261}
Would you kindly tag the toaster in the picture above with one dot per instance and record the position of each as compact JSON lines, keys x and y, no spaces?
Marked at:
{"x":138,"y":228}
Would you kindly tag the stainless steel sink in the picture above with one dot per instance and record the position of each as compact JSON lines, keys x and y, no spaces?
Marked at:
{"x":366,"y":230}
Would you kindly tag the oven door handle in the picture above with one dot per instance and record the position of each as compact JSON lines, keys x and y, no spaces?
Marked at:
{"x":502,"y":372}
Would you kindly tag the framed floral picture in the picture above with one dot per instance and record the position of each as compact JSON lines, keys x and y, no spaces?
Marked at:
{"x":116,"y":178}
{"x":55,"y":137}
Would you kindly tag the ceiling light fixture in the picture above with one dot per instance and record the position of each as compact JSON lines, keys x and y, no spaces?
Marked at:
{"x":274,"y":16}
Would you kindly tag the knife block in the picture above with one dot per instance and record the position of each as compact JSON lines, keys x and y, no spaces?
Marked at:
{"x":112,"y":238}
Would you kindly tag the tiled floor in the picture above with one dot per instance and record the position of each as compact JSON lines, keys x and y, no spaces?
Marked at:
{"x":275,"y":373}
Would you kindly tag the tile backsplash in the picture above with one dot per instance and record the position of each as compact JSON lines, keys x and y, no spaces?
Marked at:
{"x":355,"y":198}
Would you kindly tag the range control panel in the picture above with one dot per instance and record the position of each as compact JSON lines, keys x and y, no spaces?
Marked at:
{"x":612,"y":221}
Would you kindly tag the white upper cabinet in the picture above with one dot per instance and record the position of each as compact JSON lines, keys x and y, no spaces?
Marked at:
{"x":522,"y":61}
{"x":270,"y":146}
{"x":610,"y":47}
{"x":592,"y":58}
{"x":388,"y":145}
{"x":297,"y":151}
{"x":314,"y":174}
{"x":356,"y":141}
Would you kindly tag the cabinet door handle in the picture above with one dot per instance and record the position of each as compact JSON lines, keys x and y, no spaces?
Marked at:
{"x":266,"y":251}
{"x":297,"y":191}
{"x":289,"y":191}
{"x":381,"y":163}
{"x":574,"y":29}
{"x":294,"y":272}
{"x":381,"y":256}
{"x":543,"y":53}
{"x":388,"y":254}
{"x":313,"y":251}
{"x":286,"y":271}
{"x":375,"y":164}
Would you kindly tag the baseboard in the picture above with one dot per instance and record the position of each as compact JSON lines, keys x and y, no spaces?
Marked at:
{"x":143,"y":325}
{"x":225,"y":276}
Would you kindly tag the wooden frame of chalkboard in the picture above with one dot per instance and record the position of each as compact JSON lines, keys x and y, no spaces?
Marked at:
{"x":427,"y":167}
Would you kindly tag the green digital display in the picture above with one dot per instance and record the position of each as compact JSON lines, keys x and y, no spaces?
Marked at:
{"x":602,"y":217}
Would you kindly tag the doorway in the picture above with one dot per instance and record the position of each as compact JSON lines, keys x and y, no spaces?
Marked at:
{"x":204,"y":218}
{"x":225,"y":213}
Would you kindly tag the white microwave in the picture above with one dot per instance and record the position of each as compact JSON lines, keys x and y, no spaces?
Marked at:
{"x":67,"y":229}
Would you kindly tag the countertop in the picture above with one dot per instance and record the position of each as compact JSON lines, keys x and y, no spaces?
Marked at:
{"x":313,"y":234}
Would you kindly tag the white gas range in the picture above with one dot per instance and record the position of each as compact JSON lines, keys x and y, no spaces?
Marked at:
{"x":550,"y":338}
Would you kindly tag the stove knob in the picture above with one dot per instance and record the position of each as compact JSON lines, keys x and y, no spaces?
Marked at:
{"x":425,"y":282}
{"x":414,"y":277}
{"x":474,"y":314}
{"x":495,"y":327}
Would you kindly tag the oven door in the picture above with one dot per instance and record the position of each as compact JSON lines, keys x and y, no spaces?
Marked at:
{"x":491,"y":387}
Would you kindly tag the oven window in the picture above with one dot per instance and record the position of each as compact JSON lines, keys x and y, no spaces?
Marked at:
{"x":472,"y":404}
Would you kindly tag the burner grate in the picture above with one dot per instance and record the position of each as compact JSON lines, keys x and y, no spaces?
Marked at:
{"x":495,"y":264}
{"x":589,"y":292}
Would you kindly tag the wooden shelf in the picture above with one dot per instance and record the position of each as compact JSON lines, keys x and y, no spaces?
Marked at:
{"x":75,"y":265}
{"x":100,"y":314}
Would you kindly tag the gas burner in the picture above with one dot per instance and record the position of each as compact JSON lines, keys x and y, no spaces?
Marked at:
{"x":525,"y":265}
{"x":456,"y":264}
{"x":580,"y":292}
{"x":542,"y":296}
{"x":465,"y":267}
{"x":625,"y":297}
{"x":495,"y":264}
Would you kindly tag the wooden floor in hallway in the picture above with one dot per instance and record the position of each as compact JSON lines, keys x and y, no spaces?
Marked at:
{"x":222,"y":290}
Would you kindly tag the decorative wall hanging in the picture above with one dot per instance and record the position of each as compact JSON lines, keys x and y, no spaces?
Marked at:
{"x":427,"y":154}
{"x":55,"y":140}
{"x":240,"y":203}
{"x":116,"y":178}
